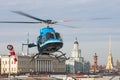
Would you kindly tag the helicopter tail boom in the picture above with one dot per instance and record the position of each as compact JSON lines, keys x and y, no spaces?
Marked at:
{"x":32,"y":45}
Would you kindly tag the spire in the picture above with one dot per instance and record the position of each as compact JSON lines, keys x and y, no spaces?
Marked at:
{"x":95,"y":54}
{"x":110,"y":45}
{"x":109,"y":65}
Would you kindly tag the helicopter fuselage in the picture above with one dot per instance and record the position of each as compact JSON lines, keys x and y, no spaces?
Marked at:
{"x":49,"y":41}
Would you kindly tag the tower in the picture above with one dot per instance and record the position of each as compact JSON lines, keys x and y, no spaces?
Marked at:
{"x":94,"y":67}
{"x":76,"y":52}
{"x":76,"y":62}
{"x":109,"y":65}
{"x":95,"y":62}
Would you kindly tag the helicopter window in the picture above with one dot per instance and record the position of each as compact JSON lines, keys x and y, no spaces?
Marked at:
{"x":57,"y":35}
{"x":49,"y":36}
{"x":40,"y":39}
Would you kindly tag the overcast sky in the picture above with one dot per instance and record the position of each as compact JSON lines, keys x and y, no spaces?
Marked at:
{"x":92,"y":35}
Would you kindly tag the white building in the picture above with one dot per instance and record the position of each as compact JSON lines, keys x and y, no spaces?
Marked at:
{"x":76,"y":63}
{"x":5,"y":65}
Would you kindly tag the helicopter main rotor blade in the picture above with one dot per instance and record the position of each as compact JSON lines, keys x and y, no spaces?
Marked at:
{"x":18,"y":22}
{"x":67,"y":20}
{"x":27,"y":15}
{"x":66,"y":25}
{"x":105,"y":18}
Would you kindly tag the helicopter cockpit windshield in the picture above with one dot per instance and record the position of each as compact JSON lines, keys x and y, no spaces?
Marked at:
{"x":49,"y":36}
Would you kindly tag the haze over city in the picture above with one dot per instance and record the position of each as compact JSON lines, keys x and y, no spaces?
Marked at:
{"x":95,"y":21}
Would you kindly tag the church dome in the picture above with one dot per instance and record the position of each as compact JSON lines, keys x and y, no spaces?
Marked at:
{"x":76,"y":42}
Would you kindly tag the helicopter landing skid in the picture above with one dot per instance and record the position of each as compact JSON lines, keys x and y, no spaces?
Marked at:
{"x":61,"y":57}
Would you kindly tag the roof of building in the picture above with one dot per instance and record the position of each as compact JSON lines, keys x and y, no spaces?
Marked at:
{"x":76,"y":42}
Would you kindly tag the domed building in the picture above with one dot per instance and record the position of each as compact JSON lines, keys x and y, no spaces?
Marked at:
{"x":76,"y":63}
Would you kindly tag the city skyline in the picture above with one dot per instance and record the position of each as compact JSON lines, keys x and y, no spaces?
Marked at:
{"x":95,"y":22}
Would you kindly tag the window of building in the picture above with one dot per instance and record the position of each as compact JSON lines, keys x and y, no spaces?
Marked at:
{"x":5,"y":62}
{"x":12,"y":62}
{"x":14,"y":69}
{"x":5,"y":69}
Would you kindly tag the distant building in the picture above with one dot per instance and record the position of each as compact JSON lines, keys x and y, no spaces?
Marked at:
{"x":118,"y":66}
{"x":118,"y":63}
{"x":95,"y":67}
{"x":109,"y":65}
{"x":42,"y":64}
{"x":76,"y":63}
{"x":25,"y":65}
{"x":7,"y":65}
{"x":4,"y":65}
{"x":47,"y":64}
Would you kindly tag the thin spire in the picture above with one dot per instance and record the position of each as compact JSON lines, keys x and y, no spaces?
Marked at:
{"x":95,"y":54}
{"x":76,"y":38}
{"x":110,"y":45}
{"x":109,"y":65}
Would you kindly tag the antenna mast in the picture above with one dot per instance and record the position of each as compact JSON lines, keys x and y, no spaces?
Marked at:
{"x":27,"y":43}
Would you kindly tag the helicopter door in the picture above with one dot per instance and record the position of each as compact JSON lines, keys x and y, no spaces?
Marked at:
{"x":49,"y":36}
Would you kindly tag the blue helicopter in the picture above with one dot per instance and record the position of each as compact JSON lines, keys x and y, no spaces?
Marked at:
{"x":49,"y":41}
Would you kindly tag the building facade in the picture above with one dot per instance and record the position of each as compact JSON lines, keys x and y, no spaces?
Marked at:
{"x":76,"y":63}
{"x":7,"y":65}
{"x":48,"y":64}
{"x":42,"y":64}
{"x":25,"y":65}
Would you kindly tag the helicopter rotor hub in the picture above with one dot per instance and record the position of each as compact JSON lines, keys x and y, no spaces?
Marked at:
{"x":50,"y":21}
